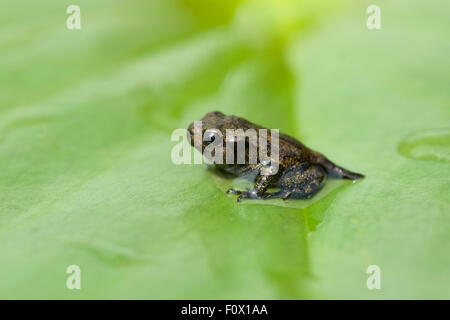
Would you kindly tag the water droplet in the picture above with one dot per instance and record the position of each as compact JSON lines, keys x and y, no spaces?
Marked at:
{"x":431,"y":144}
{"x":110,"y":253}
{"x":14,"y":123}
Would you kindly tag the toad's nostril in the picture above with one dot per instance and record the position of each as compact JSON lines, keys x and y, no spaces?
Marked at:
{"x":190,"y":133}
{"x":191,"y":128}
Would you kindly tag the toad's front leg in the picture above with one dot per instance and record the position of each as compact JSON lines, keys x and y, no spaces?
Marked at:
{"x":262,"y":183}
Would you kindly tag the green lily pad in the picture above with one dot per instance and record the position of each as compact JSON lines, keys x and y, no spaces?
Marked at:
{"x":86,"y":176}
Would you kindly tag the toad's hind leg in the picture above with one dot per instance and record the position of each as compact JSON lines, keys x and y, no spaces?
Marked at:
{"x":298,"y":182}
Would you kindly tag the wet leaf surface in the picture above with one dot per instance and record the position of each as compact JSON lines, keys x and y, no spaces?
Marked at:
{"x":86,"y":176}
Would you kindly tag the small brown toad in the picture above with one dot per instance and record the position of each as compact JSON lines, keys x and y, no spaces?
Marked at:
{"x":301,"y":171}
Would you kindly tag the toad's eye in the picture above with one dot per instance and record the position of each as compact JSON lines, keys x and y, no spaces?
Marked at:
{"x":209,"y":136}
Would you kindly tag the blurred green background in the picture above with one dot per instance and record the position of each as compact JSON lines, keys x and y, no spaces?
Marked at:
{"x":86,"y":177}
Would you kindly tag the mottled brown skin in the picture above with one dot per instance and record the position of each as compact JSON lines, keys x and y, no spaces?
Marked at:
{"x":302,"y":171}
